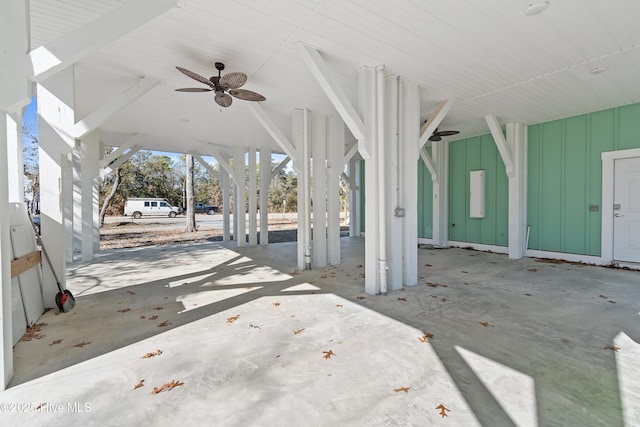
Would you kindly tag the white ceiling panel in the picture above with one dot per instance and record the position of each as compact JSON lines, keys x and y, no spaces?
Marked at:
{"x":487,"y":55}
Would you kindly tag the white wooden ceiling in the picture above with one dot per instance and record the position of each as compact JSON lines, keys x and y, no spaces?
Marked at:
{"x":487,"y":55}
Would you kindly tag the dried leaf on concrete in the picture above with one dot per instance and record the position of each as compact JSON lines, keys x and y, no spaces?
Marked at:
{"x":155,"y":353}
{"x":486,"y":324}
{"x":298,"y":331}
{"x":443,"y":410}
{"x":154,"y":317}
{"x":425,"y":338}
{"x":611,"y":347}
{"x":163,"y":324}
{"x":83,"y":343}
{"x":140,"y":384}
{"x":276,"y":304}
{"x":33,"y":333}
{"x":328,"y":354}
{"x":56,"y":342}
{"x":167,"y":386}
{"x":232,"y":319}
{"x":124,"y":310}
{"x":399,"y":389}
{"x":402,"y":299}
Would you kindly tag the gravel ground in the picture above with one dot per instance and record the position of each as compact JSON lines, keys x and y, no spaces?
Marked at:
{"x":130,"y":235}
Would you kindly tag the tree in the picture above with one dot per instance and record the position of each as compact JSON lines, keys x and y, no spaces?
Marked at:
{"x":191,"y":213}
{"x":107,"y":200}
{"x":31,"y":165}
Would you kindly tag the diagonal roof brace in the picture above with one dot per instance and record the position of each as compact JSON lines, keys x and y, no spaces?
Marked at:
{"x":434,"y":121}
{"x":57,"y":55}
{"x":273,"y":130}
{"x":334,"y":92}
{"x":503,"y":147}
{"x":99,"y":116}
{"x":206,"y":165}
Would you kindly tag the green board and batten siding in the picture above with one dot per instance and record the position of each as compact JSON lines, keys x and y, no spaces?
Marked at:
{"x":478,"y":153}
{"x":564,"y":181}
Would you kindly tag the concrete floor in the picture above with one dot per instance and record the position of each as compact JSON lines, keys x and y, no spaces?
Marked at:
{"x":226,"y":327}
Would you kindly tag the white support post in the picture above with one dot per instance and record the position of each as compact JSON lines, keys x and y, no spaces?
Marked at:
{"x":410,"y":108}
{"x":239,"y":193}
{"x":226,"y":226}
{"x":335,"y":158}
{"x":14,"y":94}
{"x":513,"y":151}
{"x":59,"y":54}
{"x":67,"y":205}
{"x":318,"y":145}
{"x":368,"y":110}
{"x":16,"y":162}
{"x":392,"y":172}
{"x":55,"y":125}
{"x":6,"y":337}
{"x":354,"y":197}
{"x":380,"y":154}
{"x":253,"y":203}
{"x":96,"y":201}
{"x":265,"y":180}
{"x":76,"y":197}
{"x":300,"y":137}
{"x":90,"y":154}
{"x":440,"y":155}
{"x":517,"y":140}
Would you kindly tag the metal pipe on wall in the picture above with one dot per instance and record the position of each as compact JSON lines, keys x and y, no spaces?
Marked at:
{"x":382,"y":219}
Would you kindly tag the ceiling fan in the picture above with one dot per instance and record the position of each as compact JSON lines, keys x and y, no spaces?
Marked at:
{"x":437,"y":135}
{"x":222,"y":86}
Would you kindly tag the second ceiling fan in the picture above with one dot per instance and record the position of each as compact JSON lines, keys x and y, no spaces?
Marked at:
{"x":224,"y":87}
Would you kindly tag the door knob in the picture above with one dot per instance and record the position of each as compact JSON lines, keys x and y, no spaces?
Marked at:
{"x":618,"y":215}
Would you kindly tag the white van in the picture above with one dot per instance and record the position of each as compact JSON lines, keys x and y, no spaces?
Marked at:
{"x":149,"y":206}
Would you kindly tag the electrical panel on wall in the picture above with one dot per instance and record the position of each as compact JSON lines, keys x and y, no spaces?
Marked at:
{"x":476,"y":194}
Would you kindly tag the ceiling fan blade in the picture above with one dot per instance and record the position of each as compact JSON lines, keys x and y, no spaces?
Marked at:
{"x":448,"y":132}
{"x":195,"y":76}
{"x":233,"y":80}
{"x":223,"y":100}
{"x":435,"y":137}
{"x":247,"y":95}
{"x":193,"y":89}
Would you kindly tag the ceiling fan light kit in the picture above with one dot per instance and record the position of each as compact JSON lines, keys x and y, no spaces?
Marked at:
{"x":224,"y":87}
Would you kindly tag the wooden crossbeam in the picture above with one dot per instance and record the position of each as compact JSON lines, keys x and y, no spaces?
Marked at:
{"x":22,"y":264}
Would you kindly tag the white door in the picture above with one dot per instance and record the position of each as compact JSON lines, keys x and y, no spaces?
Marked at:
{"x":626,"y":210}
